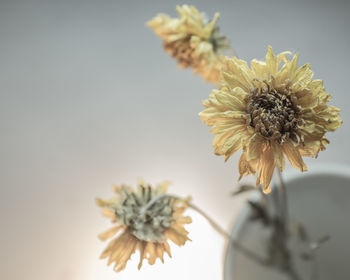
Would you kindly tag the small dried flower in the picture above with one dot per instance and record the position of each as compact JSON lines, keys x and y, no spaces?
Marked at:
{"x":146,"y":219}
{"x":269,"y":112}
{"x":193,"y":41}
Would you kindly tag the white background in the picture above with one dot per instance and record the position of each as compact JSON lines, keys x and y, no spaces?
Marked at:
{"x":89,"y":99}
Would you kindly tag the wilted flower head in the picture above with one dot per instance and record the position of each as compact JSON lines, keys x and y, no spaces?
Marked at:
{"x":192,"y":40}
{"x":270,"y":112}
{"x":146,"y":219}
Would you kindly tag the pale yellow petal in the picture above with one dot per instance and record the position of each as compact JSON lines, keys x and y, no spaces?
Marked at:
{"x":254,"y":147}
{"x":108,"y":213}
{"x":237,"y":74}
{"x":294,"y":156}
{"x":228,"y":125}
{"x":271,"y":63}
{"x":245,"y":168}
{"x":219,"y":139}
{"x":233,"y":142}
{"x":230,"y":100}
{"x":129,"y":250}
{"x":288,"y":70}
{"x":307,"y":99}
{"x":278,"y":155}
{"x":184,"y":220}
{"x":282,"y":57}
{"x":141,"y":246}
{"x":267,"y":166}
{"x":167,"y":248}
{"x":260,"y":69}
{"x":103,"y":202}
{"x":110,"y":233}
{"x":151,"y":253}
{"x":230,"y":146}
{"x":179,"y":238}
{"x":160,"y":252}
{"x":302,"y":78}
{"x":124,"y":244}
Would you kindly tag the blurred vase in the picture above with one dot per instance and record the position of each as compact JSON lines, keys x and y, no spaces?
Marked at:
{"x":320,"y":200}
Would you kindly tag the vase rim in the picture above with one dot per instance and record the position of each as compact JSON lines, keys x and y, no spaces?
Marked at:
{"x":337,"y":169}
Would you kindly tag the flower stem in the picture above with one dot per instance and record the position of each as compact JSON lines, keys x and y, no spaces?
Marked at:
{"x":283,"y":201}
{"x":215,"y":226}
{"x":251,"y":255}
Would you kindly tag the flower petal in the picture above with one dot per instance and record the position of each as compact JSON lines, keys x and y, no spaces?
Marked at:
{"x":260,"y":69}
{"x":303,"y":77}
{"x":267,"y":166}
{"x":237,"y":74}
{"x":141,"y":246}
{"x":278,"y":155}
{"x":271,"y":64}
{"x":110,"y":233}
{"x":151,"y":253}
{"x":288,"y":70}
{"x":254,"y":147}
{"x":126,"y":254}
{"x":294,"y":156}
{"x":245,"y":167}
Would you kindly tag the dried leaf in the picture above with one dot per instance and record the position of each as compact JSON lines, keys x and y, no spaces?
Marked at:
{"x":300,"y":231}
{"x":318,"y":243}
{"x":259,"y":212}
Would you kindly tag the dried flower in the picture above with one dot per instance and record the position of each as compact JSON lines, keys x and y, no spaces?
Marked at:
{"x":193,"y":41}
{"x":146,"y":219}
{"x":269,"y":112}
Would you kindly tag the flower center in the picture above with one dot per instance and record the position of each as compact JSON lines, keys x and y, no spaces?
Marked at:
{"x":274,"y":113}
{"x":182,"y":51}
{"x":146,"y":224}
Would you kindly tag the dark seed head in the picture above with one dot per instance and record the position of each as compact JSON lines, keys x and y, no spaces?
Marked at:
{"x":274,"y":113}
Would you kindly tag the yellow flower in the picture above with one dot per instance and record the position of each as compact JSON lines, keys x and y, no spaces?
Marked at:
{"x":145,"y":220}
{"x":192,"y":41}
{"x":269,"y":112}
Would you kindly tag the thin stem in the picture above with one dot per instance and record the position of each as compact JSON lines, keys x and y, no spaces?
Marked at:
{"x":219,"y":229}
{"x":249,"y":254}
{"x":283,"y":202}
{"x":282,"y":206}
{"x":234,"y":243}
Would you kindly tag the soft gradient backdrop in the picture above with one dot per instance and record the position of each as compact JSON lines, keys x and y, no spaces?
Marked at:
{"x":89,"y":99}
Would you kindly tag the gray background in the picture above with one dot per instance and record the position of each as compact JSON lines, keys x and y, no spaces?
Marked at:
{"x":89,"y":99}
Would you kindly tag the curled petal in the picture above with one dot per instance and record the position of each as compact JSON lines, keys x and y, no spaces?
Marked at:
{"x":294,"y":156}
{"x":267,"y":166}
{"x":278,"y":155}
